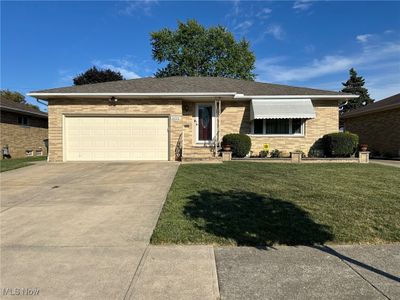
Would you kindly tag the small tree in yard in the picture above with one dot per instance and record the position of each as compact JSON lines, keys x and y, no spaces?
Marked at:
{"x":95,"y":75}
{"x":355,"y":85}
{"x":193,"y":50}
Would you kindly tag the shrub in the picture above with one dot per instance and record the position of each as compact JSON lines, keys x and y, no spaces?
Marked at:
{"x":240,"y":143}
{"x":340,"y":144}
{"x":275,"y":153}
{"x":263,"y":153}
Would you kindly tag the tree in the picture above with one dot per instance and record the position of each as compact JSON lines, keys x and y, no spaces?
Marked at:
{"x":95,"y":75}
{"x":13,"y":96}
{"x":193,"y":50}
{"x":355,"y":85}
{"x":16,"y":97}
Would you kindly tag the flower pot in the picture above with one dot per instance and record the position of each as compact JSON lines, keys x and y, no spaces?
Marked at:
{"x":226,"y":147}
{"x":363,"y":147}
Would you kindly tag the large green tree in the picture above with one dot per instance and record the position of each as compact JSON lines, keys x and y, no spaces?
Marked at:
{"x":95,"y":75}
{"x":193,"y":50}
{"x":16,"y":97}
{"x":355,"y":85}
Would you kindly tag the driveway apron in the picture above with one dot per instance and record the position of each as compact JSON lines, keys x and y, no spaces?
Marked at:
{"x":79,"y":230}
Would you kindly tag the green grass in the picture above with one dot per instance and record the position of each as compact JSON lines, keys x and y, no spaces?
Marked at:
{"x":245,"y":203}
{"x":15,"y":163}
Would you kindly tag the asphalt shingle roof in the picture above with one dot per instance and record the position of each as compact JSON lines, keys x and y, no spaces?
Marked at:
{"x":15,"y":106}
{"x":387,"y":103}
{"x":190,"y":85}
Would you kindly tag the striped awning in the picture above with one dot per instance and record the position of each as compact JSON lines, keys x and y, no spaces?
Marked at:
{"x":281,"y":109}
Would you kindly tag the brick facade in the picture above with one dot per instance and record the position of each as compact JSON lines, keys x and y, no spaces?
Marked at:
{"x":59,"y":107}
{"x":235,"y":117}
{"x":21,"y":138}
{"x":380,"y":130}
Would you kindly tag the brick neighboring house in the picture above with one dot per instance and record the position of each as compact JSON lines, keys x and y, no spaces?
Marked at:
{"x":378,"y":125}
{"x":155,"y":118}
{"x":23,"y":129}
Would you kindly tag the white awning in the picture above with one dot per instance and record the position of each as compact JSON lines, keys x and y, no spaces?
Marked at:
{"x":281,"y":109}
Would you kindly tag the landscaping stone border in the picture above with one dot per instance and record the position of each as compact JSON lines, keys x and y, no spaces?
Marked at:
{"x":297,"y":158}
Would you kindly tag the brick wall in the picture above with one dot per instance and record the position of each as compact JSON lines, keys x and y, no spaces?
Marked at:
{"x":58,"y":107}
{"x":235,"y":117}
{"x":380,"y":130}
{"x":21,"y":138}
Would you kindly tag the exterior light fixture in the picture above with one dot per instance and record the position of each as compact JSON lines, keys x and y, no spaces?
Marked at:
{"x":112,"y":100}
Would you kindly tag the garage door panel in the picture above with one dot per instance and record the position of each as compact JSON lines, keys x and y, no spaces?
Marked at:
{"x":116,"y":138}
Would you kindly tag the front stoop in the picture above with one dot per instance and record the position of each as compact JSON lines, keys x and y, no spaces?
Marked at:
{"x":200,"y":154}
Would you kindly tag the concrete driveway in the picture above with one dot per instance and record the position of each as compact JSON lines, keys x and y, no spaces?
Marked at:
{"x":79,"y":230}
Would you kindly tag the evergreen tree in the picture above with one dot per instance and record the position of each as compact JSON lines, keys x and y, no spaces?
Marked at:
{"x":355,"y":85}
{"x":94,"y":75}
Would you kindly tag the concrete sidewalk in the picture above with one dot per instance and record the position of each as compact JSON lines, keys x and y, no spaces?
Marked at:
{"x":334,"y":272}
{"x":176,"y":272}
{"x":386,"y":162}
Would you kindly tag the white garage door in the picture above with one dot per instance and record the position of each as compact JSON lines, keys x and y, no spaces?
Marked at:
{"x":116,"y":138}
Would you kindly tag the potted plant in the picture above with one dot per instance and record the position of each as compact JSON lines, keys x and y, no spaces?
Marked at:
{"x":363,"y":147}
{"x":226,"y":147}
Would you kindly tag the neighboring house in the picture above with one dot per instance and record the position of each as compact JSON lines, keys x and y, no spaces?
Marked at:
{"x":23,"y":129}
{"x":153,"y":118}
{"x":377,"y":125}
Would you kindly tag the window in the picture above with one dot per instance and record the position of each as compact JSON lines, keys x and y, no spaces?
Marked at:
{"x":23,"y":120}
{"x":258,"y":126}
{"x":278,"y":126}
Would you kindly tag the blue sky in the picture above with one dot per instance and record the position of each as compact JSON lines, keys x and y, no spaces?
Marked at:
{"x":303,"y":43}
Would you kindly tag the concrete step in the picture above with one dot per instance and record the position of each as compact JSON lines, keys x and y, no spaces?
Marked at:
{"x":192,"y":159}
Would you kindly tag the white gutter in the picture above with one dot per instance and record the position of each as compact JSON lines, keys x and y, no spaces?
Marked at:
{"x":194,"y":95}
{"x":131,"y":94}
{"x":247,"y":97}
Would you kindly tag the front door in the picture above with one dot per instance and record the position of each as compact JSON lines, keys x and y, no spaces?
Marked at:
{"x":205,"y":122}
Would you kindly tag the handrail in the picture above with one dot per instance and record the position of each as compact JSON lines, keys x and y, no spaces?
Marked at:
{"x":179,"y":148}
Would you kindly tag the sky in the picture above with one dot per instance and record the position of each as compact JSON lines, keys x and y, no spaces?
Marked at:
{"x":44,"y":44}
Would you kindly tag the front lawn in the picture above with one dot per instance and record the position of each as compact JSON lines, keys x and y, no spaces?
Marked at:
{"x":247,"y":203}
{"x":15,"y":163}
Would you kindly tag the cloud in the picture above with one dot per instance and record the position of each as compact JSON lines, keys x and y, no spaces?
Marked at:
{"x":264,"y":13}
{"x":243,"y":27}
{"x":376,"y":56}
{"x":302,"y":5}
{"x":276,"y":31}
{"x":65,"y":76}
{"x":123,"y":66}
{"x":363,"y":38}
{"x":133,"y":7}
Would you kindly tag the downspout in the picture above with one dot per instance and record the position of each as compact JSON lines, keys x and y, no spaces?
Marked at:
{"x":48,"y":148}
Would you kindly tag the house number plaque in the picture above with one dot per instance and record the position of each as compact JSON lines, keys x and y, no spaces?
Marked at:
{"x":175,"y":118}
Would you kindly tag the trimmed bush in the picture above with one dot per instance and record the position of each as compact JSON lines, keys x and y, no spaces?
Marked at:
{"x":340,"y":144}
{"x":240,"y":143}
